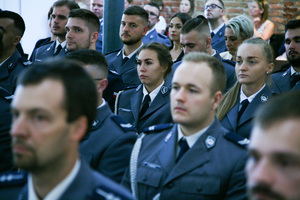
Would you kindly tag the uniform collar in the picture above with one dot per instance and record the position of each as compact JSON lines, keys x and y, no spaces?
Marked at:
{"x":153,"y":93}
{"x":250,"y":98}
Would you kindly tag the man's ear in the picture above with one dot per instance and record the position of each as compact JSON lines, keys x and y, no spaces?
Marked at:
{"x":94,"y":37}
{"x":16,"y":40}
{"x":216,"y":100}
{"x":79,"y":128}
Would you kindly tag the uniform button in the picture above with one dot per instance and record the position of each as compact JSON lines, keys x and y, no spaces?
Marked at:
{"x":170,"y":185}
{"x":144,"y":179}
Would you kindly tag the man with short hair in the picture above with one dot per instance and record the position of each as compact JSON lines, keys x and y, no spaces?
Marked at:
{"x":132,"y":29}
{"x":152,"y":35}
{"x":59,"y":19}
{"x":107,"y":146}
{"x":97,"y":7}
{"x":214,"y":10}
{"x":288,"y":79}
{"x":54,"y":106}
{"x":82,"y":30}
{"x":194,"y":158}
{"x":273,"y":166}
{"x":195,"y":36}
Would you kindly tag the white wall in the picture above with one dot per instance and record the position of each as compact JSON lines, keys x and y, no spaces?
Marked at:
{"x":34,"y":13}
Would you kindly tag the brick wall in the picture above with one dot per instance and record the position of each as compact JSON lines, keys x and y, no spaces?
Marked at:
{"x":280,"y":11}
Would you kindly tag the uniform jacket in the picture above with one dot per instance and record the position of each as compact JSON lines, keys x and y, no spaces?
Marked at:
{"x":107,"y":147}
{"x":10,"y":70}
{"x":218,"y":40}
{"x":40,"y":43}
{"x":244,"y":126}
{"x":229,"y":70}
{"x":128,"y":71}
{"x":154,"y":36}
{"x":128,"y":104}
{"x":282,"y":81}
{"x":88,"y":184}
{"x":100,"y":37}
{"x":5,"y":138}
{"x":47,"y":51}
{"x":212,"y":169}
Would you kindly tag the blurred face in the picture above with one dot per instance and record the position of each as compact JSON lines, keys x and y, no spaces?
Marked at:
{"x":292,"y":46}
{"x":132,"y":29}
{"x":9,"y":36}
{"x":251,"y":65}
{"x":40,"y":132}
{"x":153,"y":14}
{"x":175,"y":28}
{"x":254,"y":10}
{"x":185,"y":6}
{"x":273,"y":167}
{"x":59,"y":20}
{"x":97,"y":7}
{"x":192,"y":42}
{"x":192,"y":104}
{"x":78,"y":35}
{"x":126,"y":4}
{"x":150,"y":72}
{"x":213,"y":13}
{"x":231,"y":41}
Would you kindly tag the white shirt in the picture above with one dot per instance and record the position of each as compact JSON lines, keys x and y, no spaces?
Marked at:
{"x":130,"y":55}
{"x":59,"y":189}
{"x":293,"y":71}
{"x":250,"y":98}
{"x":217,"y":29}
{"x":191,"y":139}
{"x":63,"y":44}
{"x":153,"y":93}
{"x":102,"y":104}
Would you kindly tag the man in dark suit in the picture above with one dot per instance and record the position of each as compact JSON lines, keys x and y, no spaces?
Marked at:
{"x":107,"y":146}
{"x":133,"y":28}
{"x":273,"y":166}
{"x":54,"y":106}
{"x":195,"y":158}
{"x":152,"y":35}
{"x":61,"y":9}
{"x":288,"y":79}
{"x":214,"y":10}
{"x":195,"y":36}
{"x":96,"y":6}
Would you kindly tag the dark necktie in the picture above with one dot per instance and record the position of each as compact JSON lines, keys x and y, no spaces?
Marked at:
{"x":124,"y":60}
{"x":58,"y":48}
{"x":244,"y":104}
{"x":212,"y":34}
{"x":145,"y":105}
{"x":294,"y":79}
{"x":184,"y":147}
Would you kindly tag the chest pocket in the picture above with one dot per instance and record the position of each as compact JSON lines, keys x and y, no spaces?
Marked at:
{"x":148,"y":176}
{"x":200,"y":185}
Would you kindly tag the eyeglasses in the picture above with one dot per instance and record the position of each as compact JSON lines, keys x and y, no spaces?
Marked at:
{"x":152,"y":14}
{"x":212,"y":6}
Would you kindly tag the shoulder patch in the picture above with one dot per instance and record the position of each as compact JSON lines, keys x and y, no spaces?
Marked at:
{"x":122,"y":123}
{"x":157,"y":128}
{"x":117,"y":50}
{"x":13,"y":179}
{"x":235,"y":138}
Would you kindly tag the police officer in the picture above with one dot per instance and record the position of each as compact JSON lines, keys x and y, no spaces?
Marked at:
{"x":195,"y":158}
{"x":12,"y":28}
{"x":152,"y":35}
{"x":288,"y":79}
{"x":61,"y":9}
{"x":132,"y":29}
{"x":54,"y":106}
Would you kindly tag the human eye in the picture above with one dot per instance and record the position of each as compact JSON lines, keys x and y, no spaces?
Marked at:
{"x":148,"y":63}
{"x":191,"y":46}
{"x":15,"y":114}
{"x":175,"y":87}
{"x":287,"y":41}
{"x":178,"y":26}
{"x":67,"y":29}
{"x":133,"y":25}
{"x":78,"y":30}
{"x":252,"y":62}
{"x":122,"y":23}
{"x":138,"y":62}
{"x":238,"y":61}
{"x":193,"y":90}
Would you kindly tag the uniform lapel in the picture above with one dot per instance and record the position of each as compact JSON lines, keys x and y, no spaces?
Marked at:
{"x":285,"y":81}
{"x":117,"y":63}
{"x":130,"y":64}
{"x":136,"y":101}
{"x":232,"y":115}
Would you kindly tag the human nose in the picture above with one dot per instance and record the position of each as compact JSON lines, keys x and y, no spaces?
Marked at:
{"x":18,"y":127}
{"x":180,"y":95}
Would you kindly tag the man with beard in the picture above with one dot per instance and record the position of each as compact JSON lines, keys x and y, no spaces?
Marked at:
{"x":288,"y":80}
{"x":59,"y":20}
{"x":82,"y":30}
{"x":152,"y":35}
{"x":273,"y":166}
{"x":132,"y":29}
{"x":97,"y":8}
{"x":54,"y":107}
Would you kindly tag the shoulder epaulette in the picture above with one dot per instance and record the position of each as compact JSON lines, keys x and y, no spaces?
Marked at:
{"x":113,"y":73}
{"x":25,"y":61}
{"x":103,"y":192}
{"x":122,"y":123}
{"x":282,"y":69}
{"x":235,"y":138}
{"x":13,"y":179}
{"x":157,"y":128}
{"x":5,"y":94}
{"x":228,"y":61}
{"x":162,"y":36}
{"x":117,"y":50}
